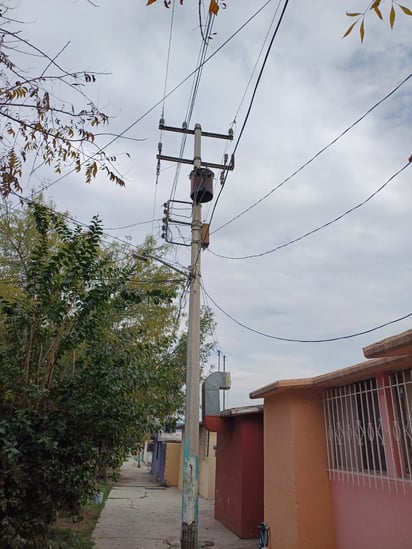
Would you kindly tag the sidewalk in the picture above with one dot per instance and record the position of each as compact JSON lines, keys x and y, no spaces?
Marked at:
{"x":141,"y":514}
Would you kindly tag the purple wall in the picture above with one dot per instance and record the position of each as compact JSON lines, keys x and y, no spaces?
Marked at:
{"x":159,"y":460}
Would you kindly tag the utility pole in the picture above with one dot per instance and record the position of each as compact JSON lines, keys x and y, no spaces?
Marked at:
{"x":201,"y":191}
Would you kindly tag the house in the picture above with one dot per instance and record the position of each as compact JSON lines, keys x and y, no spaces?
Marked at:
{"x":239,"y":471}
{"x":239,"y":458}
{"x":166,"y":458}
{"x":338,"y":454}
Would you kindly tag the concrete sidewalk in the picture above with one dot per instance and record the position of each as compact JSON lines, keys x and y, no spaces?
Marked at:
{"x":141,"y":514}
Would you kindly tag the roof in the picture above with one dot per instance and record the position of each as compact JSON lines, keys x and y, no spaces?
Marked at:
{"x":363,"y":370}
{"x":397,"y":345}
{"x":243,"y":410}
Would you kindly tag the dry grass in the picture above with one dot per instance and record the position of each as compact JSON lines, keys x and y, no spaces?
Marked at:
{"x":68,"y":534}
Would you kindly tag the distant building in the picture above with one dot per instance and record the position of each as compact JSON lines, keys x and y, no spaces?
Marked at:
{"x":166,"y":457}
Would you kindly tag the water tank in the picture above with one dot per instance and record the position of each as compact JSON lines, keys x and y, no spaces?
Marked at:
{"x":201,"y":188}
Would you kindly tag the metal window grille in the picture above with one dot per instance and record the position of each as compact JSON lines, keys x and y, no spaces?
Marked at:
{"x":369,"y":431}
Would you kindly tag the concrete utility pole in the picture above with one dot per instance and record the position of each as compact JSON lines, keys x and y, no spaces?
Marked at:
{"x":189,"y":528}
{"x":201,"y":191}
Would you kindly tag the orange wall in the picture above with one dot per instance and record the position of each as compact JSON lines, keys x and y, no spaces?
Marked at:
{"x":297,"y":497}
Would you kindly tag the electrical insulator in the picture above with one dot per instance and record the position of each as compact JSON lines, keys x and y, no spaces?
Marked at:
{"x":184,"y":125}
{"x":230,"y":132}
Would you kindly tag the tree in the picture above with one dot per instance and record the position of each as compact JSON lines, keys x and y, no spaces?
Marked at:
{"x":35,"y":125}
{"x":91,"y":360}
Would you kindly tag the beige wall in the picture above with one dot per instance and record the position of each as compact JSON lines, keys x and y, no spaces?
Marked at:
{"x":297,"y":492}
{"x":207,"y":464}
{"x":172,"y":464}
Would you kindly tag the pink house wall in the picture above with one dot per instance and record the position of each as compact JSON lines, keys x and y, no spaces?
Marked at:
{"x":372,"y":518}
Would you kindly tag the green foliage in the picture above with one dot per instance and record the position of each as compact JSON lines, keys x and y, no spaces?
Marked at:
{"x":91,"y":362}
{"x":375,"y":7}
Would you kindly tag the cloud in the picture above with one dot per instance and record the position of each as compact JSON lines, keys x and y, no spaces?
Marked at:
{"x":349,"y":277}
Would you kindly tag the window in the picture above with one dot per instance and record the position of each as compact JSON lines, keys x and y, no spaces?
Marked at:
{"x":354,"y":429}
{"x":402,"y":423}
{"x":369,"y":430}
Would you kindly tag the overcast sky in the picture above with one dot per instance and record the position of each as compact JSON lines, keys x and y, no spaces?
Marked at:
{"x":349,"y":277}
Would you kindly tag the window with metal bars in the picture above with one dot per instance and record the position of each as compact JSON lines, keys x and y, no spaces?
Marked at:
{"x":402,"y":423}
{"x":354,"y":428}
{"x":369,"y":430}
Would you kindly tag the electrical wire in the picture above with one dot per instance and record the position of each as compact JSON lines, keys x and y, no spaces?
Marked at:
{"x":160,"y":101}
{"x":130,"y":226}
{"x":316,"y":155}
{"x":324,"y":226}
{"x":192,"y":98}
{"x":169,"y":47}
{"x":301,"y":340}
{"x":75,"y":221}
{"x":252,"y":100}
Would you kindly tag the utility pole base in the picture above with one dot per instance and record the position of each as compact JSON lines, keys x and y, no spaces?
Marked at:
{"x":189,"y":536}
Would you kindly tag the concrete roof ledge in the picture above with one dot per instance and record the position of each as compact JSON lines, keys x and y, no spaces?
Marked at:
{"x":243,"y":410}
{"x":285,"y":384}
{"x":397,"y":345}
{"x":357,"y":372}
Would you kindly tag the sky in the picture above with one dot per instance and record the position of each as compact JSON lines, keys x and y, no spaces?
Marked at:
{"x":349,"y":277}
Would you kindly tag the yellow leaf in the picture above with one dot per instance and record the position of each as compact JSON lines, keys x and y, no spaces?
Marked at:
{"x":213,"y":7}
{"x":349,"y":29}
{"x":362,"y":30}
{"x":352,"y":14}
{"x":405,"y":10}
{"x":150,"y":2}
{"x":375,"y":4}
{"x":378,"y":12}
{"x":392,"y":17}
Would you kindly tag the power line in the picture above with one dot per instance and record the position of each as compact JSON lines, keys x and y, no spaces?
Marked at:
{"x":321,"y":151}
{"x":299,"y":340}
{"x":169,"y":47}
{"x":153,"y":107}
{"x":130,"y":226}
{"x":275,"y":32}
{"x":193,"y":95}
{"x":75,"y":221}
{"x":327,"y":224}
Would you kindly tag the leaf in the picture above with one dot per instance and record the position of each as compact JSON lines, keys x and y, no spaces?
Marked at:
{"x":349,"y":29}
{"x":405,"y":10}
{"x":149,"y":2}
{"x":378,"y":12}
{"x":362,"y":30}
{"x":392,"y":16}
{"x":213,"y":7}
{"x":353,"y":14}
